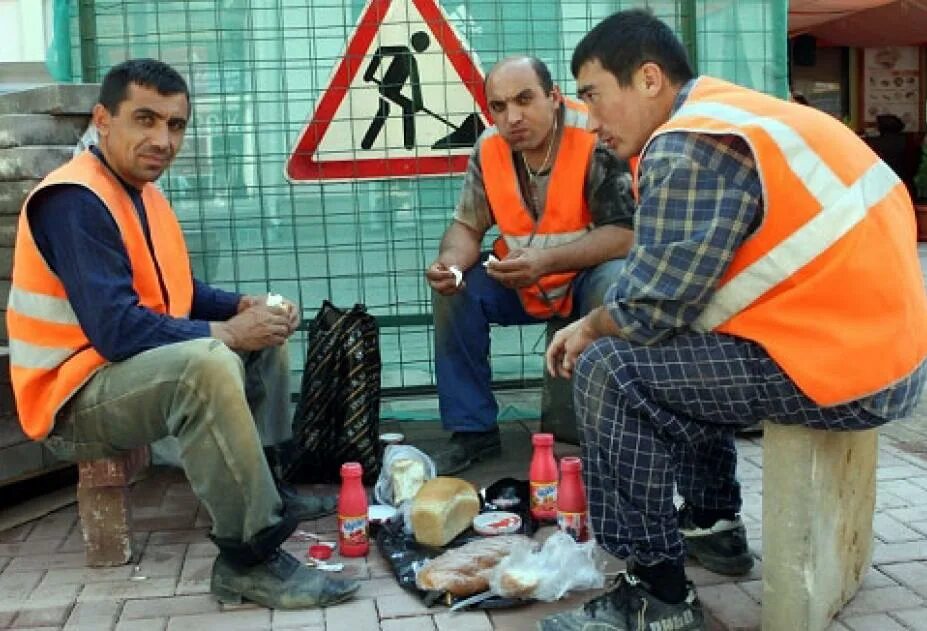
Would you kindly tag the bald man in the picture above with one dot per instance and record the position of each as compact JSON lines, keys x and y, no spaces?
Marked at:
{"x":564,"y":209}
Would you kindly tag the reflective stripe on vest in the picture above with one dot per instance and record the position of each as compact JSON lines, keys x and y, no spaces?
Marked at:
{"x":564,"y":218}
{"x":812,"y":285}
{"x":50,"y":355}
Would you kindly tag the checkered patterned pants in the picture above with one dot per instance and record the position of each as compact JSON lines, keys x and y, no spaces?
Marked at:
{"x":652,"y":416}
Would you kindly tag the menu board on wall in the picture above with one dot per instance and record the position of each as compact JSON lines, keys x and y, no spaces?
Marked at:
{"x":891,"y":83}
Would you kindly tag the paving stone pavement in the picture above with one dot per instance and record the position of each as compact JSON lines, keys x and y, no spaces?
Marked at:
{"x":44,"y":583}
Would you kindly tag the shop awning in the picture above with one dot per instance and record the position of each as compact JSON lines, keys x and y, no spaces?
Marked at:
{"x":862,"y":23}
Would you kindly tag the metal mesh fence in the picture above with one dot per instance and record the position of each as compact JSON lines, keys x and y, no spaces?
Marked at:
{"x":258,"y":71}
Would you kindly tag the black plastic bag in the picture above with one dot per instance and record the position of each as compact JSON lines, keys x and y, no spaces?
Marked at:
{"x":337,"y":418}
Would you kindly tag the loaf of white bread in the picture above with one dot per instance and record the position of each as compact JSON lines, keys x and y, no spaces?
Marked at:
{"x":465,"y":570}
{"x":442,"y":509}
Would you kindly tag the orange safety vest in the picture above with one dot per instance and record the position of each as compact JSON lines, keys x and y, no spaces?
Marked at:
{"x":830,"y":283}
{"x":565,"y":216}
{"x":50,"y":355}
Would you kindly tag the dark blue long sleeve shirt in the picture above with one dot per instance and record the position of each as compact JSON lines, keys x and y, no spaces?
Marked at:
{"x":81,"y":242}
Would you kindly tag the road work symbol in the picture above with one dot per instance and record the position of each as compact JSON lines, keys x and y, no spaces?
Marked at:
{"x":405,"y":100}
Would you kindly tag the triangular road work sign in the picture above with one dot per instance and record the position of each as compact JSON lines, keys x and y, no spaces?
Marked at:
{"x":405,"y":100}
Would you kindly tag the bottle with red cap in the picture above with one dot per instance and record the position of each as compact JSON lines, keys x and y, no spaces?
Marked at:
{"x":352,"y":512}
{"x":572,"y":514}
{"x":543,"y":476}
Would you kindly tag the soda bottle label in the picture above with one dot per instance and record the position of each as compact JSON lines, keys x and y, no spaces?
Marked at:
{"x":574,"y":524}
{"x":353,"y":530}
{"x":544,"y":496}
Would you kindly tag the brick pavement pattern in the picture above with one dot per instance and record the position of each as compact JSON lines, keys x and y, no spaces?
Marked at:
{"x":44,"y":583}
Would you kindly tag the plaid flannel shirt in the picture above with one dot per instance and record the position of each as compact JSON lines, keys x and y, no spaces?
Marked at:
{"x":700,"y":198}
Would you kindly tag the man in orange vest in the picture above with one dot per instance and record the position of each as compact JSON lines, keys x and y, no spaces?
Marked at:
{"x":114,"y":344}
{"x":756,"y":289}
{"x":564,"y":209}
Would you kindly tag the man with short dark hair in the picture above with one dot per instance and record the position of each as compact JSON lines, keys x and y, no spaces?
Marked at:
{"x":114,"y":344}
{"x":755,"y":289}
{"x":564,"y":208}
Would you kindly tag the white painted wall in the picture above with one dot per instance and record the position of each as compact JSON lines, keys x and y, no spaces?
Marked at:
{"x":24,"y":30}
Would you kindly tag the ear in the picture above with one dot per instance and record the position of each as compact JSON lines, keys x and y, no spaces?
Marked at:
{"x":101,"y":119}
{"x":556,"y":94}
{"x":649,"y":79}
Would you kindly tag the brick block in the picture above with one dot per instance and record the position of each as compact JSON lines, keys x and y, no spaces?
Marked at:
{"x":12,"y":194}
{"x":59,"y":98}
{"x":21,"y":163}
{"x":105,"y":511}
{"x":105,"y":515}
{"x":21,"y":130}
{"x":818,"y":503}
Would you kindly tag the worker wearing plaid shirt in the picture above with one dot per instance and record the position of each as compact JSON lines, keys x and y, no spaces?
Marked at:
{"x":659,"y":397}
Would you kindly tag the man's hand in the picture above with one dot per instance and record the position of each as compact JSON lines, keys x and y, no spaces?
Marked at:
{"x":567,"y":345}
{"x":257,"y":327}
{"x":522,"y":267}
{"x":292,"y":312}
{"x":442,"y":279}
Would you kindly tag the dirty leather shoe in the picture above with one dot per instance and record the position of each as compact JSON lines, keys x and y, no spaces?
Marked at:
{"x":465,"y":448}
{"x":280,"y":582}
{"x":628,"y":606}
{"x":306,"y":507}
{"x":722,"y":548}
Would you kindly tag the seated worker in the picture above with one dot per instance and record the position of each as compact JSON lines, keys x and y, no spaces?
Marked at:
{"x":564,"y":208}
{"x":756,"y":288}
{"x":114,"y":344}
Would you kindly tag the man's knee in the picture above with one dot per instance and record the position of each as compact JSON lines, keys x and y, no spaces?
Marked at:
{"x":208,"y":361}
{"x":597,"y":283}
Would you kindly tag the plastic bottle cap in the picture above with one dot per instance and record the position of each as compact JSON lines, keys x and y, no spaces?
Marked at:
{"x":320,"y":551}
{"x":542,"y":440}
{"x":570,"y":464}
{"x":352,"y":469}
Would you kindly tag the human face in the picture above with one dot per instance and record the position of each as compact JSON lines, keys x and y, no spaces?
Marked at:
{"x":624,"y":117}
{"x":140,"y":140}
{"x":522,"y":113}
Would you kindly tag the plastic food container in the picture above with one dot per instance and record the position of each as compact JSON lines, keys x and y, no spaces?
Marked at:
{"x":496,"y":523}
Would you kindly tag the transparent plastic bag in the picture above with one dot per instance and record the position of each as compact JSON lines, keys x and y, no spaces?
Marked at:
{"x":383,"y":490}
{"x":561,"y":565}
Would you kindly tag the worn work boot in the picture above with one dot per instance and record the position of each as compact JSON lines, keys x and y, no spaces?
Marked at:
{"x":280,"y":582}
{"x":629,"y":606}
{"x":465,"y":448}
{"x":306,"y":507}
{"x":721,"y":548}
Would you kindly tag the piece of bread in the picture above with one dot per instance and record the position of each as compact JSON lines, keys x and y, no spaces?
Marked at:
{"x":465,"y":570}
{"x":519,"y":583}
{"x":406,"y":476}
{"x":442,"y":509}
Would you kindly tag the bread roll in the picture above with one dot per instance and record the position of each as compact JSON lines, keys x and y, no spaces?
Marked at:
{"x":465,"y":570}
{"x":442,"y":509}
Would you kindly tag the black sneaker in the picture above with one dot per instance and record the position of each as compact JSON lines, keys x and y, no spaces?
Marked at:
{"x":722,"y":548}
{"x":465,"y":448}
{"x":629,"y":606}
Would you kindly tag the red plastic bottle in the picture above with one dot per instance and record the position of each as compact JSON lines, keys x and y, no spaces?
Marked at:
{"x":572,"y":514}
{"x":543,"y":478}
{"x":352,"y":512}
